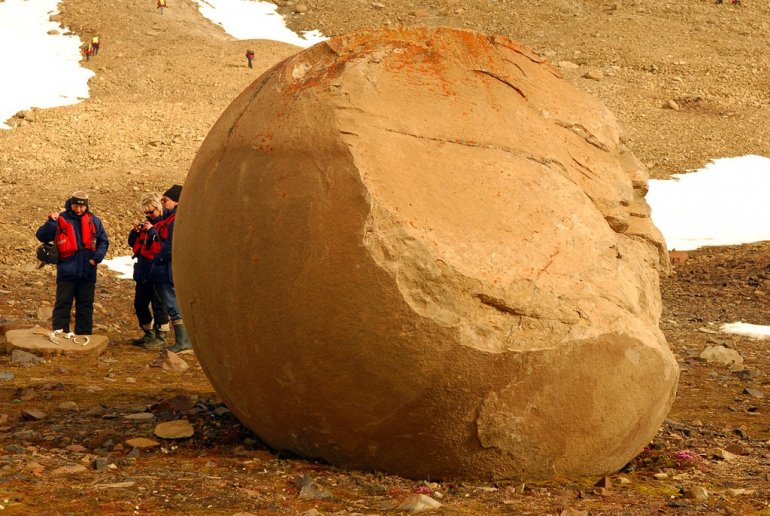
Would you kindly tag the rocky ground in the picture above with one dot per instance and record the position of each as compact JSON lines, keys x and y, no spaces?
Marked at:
{"x":688,"y":79}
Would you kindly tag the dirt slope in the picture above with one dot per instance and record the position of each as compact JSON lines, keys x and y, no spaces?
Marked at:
{"x":161,"y":83}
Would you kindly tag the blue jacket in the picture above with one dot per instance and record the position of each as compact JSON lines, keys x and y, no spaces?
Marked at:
{"x":143,"y":266}
{"x":76,"y":267}
{"x":160,"y":272}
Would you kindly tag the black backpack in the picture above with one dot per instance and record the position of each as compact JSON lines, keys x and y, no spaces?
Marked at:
{"x":47,"y":253}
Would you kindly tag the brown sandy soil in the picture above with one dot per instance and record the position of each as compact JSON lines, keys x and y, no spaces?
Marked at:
{"x":161,"y":83}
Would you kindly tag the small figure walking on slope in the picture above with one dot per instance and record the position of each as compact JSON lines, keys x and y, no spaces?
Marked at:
{"x":88,"y":51}
{"x":250,"y":57}
{"x":162,"y":6}
{"x":95,"y":44}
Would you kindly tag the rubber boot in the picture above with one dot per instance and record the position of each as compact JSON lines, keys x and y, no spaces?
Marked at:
{"x":182,"y":340}
{"x":158,"y":341}
{"x":141,"y":341}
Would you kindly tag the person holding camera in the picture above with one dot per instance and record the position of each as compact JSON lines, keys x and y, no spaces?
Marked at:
{"x":82,"y":243}
{"x":161,"y":274}
{"x":145,"y":242}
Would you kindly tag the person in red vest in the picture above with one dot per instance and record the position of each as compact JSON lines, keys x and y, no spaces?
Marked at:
{"x":145,"y":244}
{"x":161,"y":274}
{"x":88,"y":51}
{"x":82,"y":243}
{"x":250,"y":57}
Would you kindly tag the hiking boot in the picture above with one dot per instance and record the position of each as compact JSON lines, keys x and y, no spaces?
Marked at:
{"x":141,"y":341}
{"x":158,"y":341}
{"x":182,"y":340}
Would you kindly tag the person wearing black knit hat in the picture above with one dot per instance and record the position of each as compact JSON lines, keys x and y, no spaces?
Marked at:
{"x":173,"y":195}
{"x":82,"y":243}
{"x":161,"y":274}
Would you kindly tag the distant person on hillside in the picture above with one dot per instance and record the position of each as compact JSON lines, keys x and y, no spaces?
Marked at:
{"x":95,"y":44}
{"x":161,"y":274}
{"x":161,"y":6}
{"x":82,"y":243}
{"x":87,"y":51}
{"x":250,"y":57}
{"x":145,"y":242}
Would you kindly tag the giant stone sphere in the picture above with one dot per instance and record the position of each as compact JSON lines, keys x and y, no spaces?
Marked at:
{"x":424,"y":252}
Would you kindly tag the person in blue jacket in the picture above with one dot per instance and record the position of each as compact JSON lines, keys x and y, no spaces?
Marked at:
{"x":145,"y":244}
{"x":161,"y":274}
{"x":82,"y":243}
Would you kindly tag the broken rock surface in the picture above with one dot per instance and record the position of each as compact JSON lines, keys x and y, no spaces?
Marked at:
{"x":439,"y":263}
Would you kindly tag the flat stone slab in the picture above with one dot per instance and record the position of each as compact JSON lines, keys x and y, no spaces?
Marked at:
{"x":36,"y":340}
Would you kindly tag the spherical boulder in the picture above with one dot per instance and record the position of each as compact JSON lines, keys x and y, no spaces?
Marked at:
{"x":422,"y":251}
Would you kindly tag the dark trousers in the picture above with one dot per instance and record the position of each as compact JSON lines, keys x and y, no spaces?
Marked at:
{"x":83,"y":293}
{"x":144,"y":297}
{"x":250,"y":64}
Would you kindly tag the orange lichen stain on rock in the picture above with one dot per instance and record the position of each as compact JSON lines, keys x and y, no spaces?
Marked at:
{"x":407,"y":51}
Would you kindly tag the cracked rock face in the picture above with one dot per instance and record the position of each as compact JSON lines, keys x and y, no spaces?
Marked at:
{"x":421,"y":251}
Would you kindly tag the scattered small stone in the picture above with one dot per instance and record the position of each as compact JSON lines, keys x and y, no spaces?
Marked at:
{"x":721,"y":355}
{"x":605,"y":483}
{"x":739,"y":491}
{"x":44,"y":313}
{"x":567,"y":65}
{"x":25,"y":394}
{"x":116,"y":485}
{"x":96,"y":412}
{"x":740,"y":432}
{"x":5,"y":375}
{"x":737,"y":449}
{"x":173,"y":362}
{"x":139,"y":416}
{"x":300,"y":8}
{"x":671,"y":104}
{"x":70,"y":470}
{"x":99,"y":464}
{"x":719,"y":453}
{"x":698,"y":493}
{"x":746,"y":374}
{"x":756,"y":393}
{"x":32,"y":414}
{"x":594,"y":75}
{"x":15,"y":449}
{"x":142,"y":443}
{"x":19,"y":356}
{"x":660,"y":476}
{"x":77,"y":448}
{"x":178,"y":429}
{"x":68,"y":405}
{"x":419,"y":503}
{"x":25,"y":435}
{"x":221,"y":411}
{"x":310,"y":490}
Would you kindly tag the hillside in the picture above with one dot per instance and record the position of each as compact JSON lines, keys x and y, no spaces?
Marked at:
{"x":160,"y":84}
